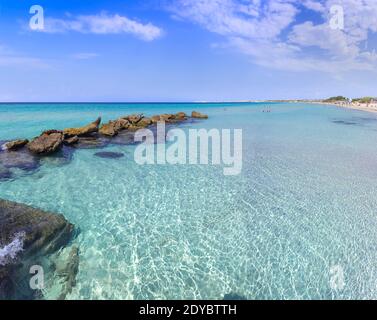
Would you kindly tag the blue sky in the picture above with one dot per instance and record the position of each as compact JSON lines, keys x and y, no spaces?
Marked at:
{"x":187,"y":50}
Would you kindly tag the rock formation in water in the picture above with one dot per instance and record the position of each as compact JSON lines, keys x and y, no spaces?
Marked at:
{"x":83,"y":131}
{"x":26,"y":234}
{"x":66,"y":267}
{"x":114,"y":127}
{"x":198,"y":115}
{"x":120,"y":131}
{"x":48,"y":142}
{"x":16,"y":144}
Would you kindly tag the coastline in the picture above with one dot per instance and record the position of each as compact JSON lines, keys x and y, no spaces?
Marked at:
{"x":361,"y":107}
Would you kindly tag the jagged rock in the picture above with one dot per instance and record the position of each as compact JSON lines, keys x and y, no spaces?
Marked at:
{"x":166,"y":117}
{"x":27,"y":233}
{"x":181,"y":116}
{"x":5,"y":174}
{"x":134,"y":119}
{"x":120,"y":124}
{"x":114,"y":127}
{"x":71,"y":141}
{"x":46,"y":143}
{"x":143,"y":123}
{"x":52,"y":131}
{"x":108,"y":130}
{"x":20,"y":159}
{"x":83,"y":131}
{"x":198,"y":115}
{"x":163,"y":118}
{"x":16,"y":144}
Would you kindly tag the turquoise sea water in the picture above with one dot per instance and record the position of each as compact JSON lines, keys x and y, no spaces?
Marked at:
{"x":304,"y":203}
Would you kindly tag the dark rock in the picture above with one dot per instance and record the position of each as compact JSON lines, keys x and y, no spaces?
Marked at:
{"x":198,"y":115}
{"x":112,"y":128}
{"x":27,"y":233}
{"x":16,"y":144}
{"x":21,"y":159}
{"x":145,"y":122}
{"x":109,"y":155}
{"x":83,"y":131}
{"x":71,"y":141}
{"x":46,"y":143}
{"x":5,"y":174}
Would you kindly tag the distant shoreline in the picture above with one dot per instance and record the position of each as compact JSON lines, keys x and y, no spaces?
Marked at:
{"x":353,"y":106}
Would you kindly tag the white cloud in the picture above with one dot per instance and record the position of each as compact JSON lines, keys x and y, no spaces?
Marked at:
{"x":103,"y":24}
{"x":269,"y":33}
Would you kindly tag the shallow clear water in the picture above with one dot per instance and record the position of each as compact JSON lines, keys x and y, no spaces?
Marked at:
{"x":305,"y":202}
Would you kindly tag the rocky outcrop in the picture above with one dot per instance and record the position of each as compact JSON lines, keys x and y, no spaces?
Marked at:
{"x":27,"y":233}
{"x":47,"y":143}
{"x":109,"y":155}
{"x":5,"y":174}
{"x":21,"y":159}
{"x":83,"y":131}
{"x":169,"y":118}
{"x":71,"y":141}
{"x":16,"y":144}
{"x":198,"y":115}
{"x":134,"y":119}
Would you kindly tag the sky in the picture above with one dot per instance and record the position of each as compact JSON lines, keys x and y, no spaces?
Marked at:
{"x":186,"y":50}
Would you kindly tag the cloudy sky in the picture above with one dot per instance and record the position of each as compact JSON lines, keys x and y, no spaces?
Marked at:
{"x":187,"y":50}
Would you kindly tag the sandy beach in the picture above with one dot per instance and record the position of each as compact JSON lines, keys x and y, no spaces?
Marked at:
{"x":372,"y":107}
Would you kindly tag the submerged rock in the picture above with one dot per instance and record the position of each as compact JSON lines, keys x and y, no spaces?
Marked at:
{"x":83,"y":131}
{"x":233,"y":296}
{"x":198,"y":115}
{"x":109,"y":155}
{"x":16,"y":144}
{"x":27,"y":233}
{"x":66,"y":267}
{"x":47,"y":143}
{"x":181,"y":116}
{"x":5,"y":174}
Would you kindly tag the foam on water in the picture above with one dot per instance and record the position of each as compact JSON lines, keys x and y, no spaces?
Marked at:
{"x":9,"y":252}
{"x":304,"y":203}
